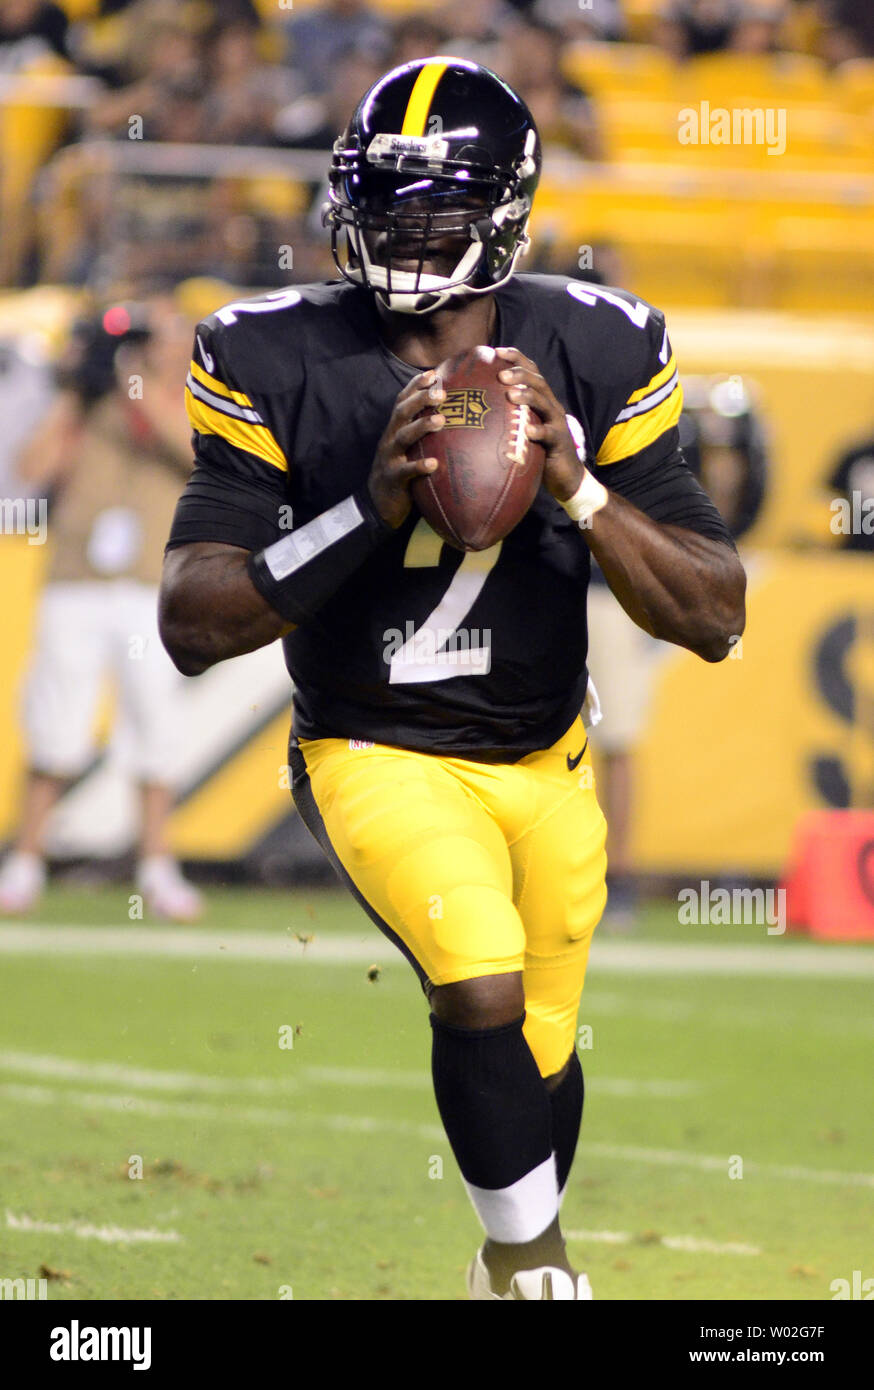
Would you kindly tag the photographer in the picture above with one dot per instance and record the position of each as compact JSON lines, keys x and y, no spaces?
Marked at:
{"x":110,"y":455}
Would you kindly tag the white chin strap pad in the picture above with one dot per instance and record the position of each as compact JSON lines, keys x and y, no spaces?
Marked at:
{"x":411,"y":293}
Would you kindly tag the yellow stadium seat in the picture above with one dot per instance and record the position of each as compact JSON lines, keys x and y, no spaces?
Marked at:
{"x":688,"y":237}
{"x":632,"y":68}
{"x":276,"y":197}
{"x":825,"y":263}
{"x":729,"y":79}
{"x":687,"y":247}
{"x":80,"y":9}
{"x":640,"y":18}
{"x":855,"y":85}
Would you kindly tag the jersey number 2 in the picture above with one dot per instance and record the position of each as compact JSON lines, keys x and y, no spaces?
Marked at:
{"x":441,"y":648}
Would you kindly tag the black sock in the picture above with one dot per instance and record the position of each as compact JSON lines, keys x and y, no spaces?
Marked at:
{"x":497,"y":1114}
{"x":492,"y":1101}
{"x":567,"y":1113}
{"x":502,"y":1261}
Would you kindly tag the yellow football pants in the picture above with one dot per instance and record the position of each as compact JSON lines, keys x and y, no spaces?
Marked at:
{"x":472,"y":868}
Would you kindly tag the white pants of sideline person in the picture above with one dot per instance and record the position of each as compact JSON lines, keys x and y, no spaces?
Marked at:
{"x":88,"y":633}
{"x":622,"y":663}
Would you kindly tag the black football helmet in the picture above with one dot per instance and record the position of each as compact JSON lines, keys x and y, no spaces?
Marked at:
{"x":720,"y":418}
{"x":437,"y":147}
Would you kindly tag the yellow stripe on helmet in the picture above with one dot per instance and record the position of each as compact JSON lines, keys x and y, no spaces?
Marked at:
{"x":422,"y":95}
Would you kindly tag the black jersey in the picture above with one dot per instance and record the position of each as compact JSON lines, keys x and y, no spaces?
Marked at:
{"x":426,"y":647}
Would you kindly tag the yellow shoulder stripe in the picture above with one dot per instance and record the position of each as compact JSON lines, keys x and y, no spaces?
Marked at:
{"x":658,"y":380}
{"x":421,"y":96}
{"x":212,"y":383}
{"x":635,"y":434}
{"x":255,"y":439}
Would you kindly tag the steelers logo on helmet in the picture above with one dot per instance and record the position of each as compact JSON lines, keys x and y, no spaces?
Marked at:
{"x":432,"y":183}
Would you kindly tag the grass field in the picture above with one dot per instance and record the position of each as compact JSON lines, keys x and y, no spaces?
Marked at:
{"x":315,"y":1167}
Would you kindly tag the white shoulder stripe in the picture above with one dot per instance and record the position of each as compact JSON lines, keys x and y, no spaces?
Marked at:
{"x":240,"y":412}
{"x":648,"y":402}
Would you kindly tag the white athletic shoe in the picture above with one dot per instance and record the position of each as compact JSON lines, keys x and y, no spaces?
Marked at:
{"x":167,"y":893}
{"x":528,"y":1284}
{"x":22,"y":880}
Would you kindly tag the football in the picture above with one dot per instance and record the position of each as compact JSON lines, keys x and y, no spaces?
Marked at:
{"x":488,"y":469}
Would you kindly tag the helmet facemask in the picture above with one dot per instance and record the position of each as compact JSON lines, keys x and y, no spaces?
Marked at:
{"x":404,"y":194}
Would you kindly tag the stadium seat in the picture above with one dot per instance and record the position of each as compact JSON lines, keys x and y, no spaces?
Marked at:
{"x":824,"y":262}
{"x":641,"y":17}
{"x":80,"y":9}
{"x":729,"y":79}
{"x":627,"y":68}
{"x":854,"y":85}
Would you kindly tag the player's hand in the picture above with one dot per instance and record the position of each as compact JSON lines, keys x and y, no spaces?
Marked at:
{"x":564,"y":470}
{"x":392,"y":471}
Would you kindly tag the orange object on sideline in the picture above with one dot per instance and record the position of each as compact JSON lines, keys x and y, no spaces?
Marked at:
{"x":830,"y":881}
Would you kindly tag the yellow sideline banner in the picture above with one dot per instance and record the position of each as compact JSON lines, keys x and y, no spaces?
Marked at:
{"x":735,"y":752}
{"x":21,"y":569}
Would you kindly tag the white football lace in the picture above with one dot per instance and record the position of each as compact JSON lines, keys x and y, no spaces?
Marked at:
{"x":518,"y":437}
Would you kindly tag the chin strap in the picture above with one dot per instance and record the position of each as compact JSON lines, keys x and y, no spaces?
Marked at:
{"x":429,"y":292}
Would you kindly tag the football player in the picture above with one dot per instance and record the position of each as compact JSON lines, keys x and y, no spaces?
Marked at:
{"x":446,"y":771}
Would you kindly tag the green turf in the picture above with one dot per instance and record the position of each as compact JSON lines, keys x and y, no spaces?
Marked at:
{"x":310,"y":1181}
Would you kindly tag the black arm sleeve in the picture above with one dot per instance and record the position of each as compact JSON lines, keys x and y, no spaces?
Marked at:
{"x":230,"y":510}
{"x":666,"y":490}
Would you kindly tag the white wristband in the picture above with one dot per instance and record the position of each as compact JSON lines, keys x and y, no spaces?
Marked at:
{"x":589,"y":498}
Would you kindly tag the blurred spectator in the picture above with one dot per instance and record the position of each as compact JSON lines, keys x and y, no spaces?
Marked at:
{"x":689,"y":27}
{"x":29,"y":30}
{"x":475,"y":28}
{"x":222,"y":11}
{"x":320,"y":38}
{"x":530,"y":60}
{"x":167,"y":93}
{"x":602,"y":21}
{"x":418,"y":36}
{"x":759,"y":28}
{"x":848,"y":29}
{"x":26,"y":391}
{"x":114,"y":451}
{"x":724,"y":443}
{"x":314,"y":120}
{"x":622,"y":662}
{"x":242,"y":95}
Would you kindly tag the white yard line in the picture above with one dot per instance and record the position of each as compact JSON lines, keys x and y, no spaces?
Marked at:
{"x":787,"y":959}
{"x":137,"y":1078}
{"x":141,"y":1106}
{"x":297,"y":1115}
{"x":146,"y":1079}
{"x":622,"y":1088}
{"x":678,"y":1158}
{"x":109,"y":1235}
{"x":18,"y":938}
{"x":693,"y":1245}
